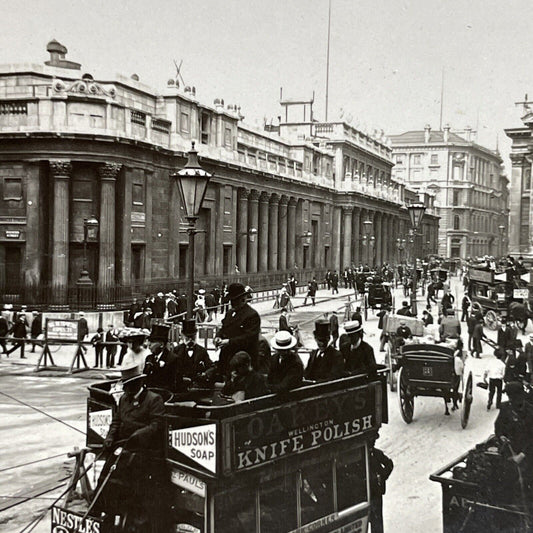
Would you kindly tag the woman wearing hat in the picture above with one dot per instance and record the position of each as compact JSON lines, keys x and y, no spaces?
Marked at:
{"x":358,"y":355}
{"x":137,"y":351}
{"x":287,"y":369}
{"x":240,"y":330}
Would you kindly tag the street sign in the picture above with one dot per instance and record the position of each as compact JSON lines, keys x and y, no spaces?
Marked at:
{"x":521,"y":294}
{"x":61,"y":329}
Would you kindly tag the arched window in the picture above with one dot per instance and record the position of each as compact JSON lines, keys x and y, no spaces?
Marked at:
{"x":456,"y":222}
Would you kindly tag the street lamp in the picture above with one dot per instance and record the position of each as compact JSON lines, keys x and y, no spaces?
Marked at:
{"x":416,"y":213}
{"x":192,"y":181}
{"x":502,"y":233}
{"x":90,"y":234}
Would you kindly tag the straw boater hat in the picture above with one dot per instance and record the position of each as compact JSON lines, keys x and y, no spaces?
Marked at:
{"x":130,"y":334}
{"x":283,"y":340}
{"x":353,"y":326}
{"x":130,"y":372}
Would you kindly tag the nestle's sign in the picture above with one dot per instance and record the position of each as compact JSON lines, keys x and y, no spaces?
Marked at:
{"x":64,"y":521}
{"x":297,"y":427}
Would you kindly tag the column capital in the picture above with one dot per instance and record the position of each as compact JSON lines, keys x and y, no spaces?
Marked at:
{"x":109,"y":171}
{"x":517,"y":159}
{"x":243,"y":193}
{"x":60,"y":168}
{"x":292,"y":201}
{"x":274,"y":198}
{"x":284,"y":200}
{"x":347,"y":209}
{"x":264,"y":197}
{"x":254,"y":195}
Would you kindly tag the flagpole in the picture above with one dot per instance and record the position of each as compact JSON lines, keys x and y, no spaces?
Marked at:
{"x":327,"y":61}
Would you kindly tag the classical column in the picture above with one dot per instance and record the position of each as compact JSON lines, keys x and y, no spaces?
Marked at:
{"x":299,"y":259}
{"x":106,"y":261}
{"x":282,"y":233}
{"x":253,"y":222}
{"x":291,"y":233}
{"x":356,"y":237}
{"x":336,"y":239}
{"x":61,"y":171}
{"x":379,"y":238}
{"x":515,"y":201}
{"x":242,"y":229}
{"x":347,"y":244}
{"x":273,"y":232}
{"x":33,"y":251}
{"x":263,"y":232}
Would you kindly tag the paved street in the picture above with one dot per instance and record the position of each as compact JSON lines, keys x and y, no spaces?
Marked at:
{"x":417,"y":450}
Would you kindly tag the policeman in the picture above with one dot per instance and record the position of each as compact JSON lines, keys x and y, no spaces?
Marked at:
{"x":326,"y":361}
{"x":358,"y":355}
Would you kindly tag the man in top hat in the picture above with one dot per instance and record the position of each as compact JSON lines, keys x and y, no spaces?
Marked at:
{"x":241,"y":327}
{"x":286,"y":368}
{"x":192,"y":360}
{"x":161,"y":365}
{"x":358,"y":355}
{"x":326,"y":362}
{"x":137,"y":421}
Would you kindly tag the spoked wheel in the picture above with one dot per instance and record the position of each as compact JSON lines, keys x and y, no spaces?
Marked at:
{"x":389,"y":361}
{"x":407,"y":402}
{"x":467,"y":401}
{"x":491,"y":320}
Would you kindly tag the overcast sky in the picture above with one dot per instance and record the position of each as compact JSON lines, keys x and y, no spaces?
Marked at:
{"x":387,"y":56}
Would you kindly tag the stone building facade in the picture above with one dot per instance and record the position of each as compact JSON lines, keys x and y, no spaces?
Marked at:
{"x":469,"y":185}
{"x":521,"y":206}
{"x":73,"y":147}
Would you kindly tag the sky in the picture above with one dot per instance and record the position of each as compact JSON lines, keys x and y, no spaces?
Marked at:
{"x":387,"y":57}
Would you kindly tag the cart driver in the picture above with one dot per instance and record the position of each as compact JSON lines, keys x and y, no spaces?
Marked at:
{"x":358,"y":355}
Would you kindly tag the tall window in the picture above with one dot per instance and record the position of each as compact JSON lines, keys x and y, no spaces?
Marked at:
{"x":456,"y":222}
{"x":416,"y":159}
{"x":456,"y":197}
{"x":434,"y":159}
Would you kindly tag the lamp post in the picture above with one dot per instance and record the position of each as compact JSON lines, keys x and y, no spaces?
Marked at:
{"x":90,"y":234}
{"x":192,"y":181}
{"x":502,"y":233}
{"x":416,"y":213}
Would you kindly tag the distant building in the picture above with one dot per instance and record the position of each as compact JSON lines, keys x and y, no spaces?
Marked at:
{"x":75,"y":147}
{"x":521,"y":205}
{"x":470,"y":188}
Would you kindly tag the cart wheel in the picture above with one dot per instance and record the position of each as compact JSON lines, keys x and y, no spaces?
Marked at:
{"x":407,"y":402}
{"x":491,"y":320}
{"x":467,"y":401}
{"x":389,"y":362}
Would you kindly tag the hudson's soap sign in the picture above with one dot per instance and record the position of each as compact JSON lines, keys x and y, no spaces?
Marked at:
{"x":276,"y":433}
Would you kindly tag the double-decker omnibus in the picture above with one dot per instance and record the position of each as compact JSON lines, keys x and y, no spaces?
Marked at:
{"x":296,"y":462}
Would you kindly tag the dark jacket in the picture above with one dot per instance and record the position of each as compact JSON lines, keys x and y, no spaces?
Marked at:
{"x":358,"y":360}
{"x":324,"y":365}
{"x":404,"y":332}
{"x":83,"y":328}
{"x":159,"y":307}
{"x":242,"y":327}
{"x":191,"y":361}
{"x":140,"y":421}
{"x":37,"y":326}
{"x":134,"y":309}
{"x":252,"y":384}
{"x":312,"y":287}
{"x":285,"y":374}
{"x":162,"y":370}
{"x":404,"y":311}
{"x":381,"y":468}
{"x":4,"y":326}
{"x":19,"y":330}
{"x":505,"y":338}
{"x":334,"y":325}
{"x":517,"y":425}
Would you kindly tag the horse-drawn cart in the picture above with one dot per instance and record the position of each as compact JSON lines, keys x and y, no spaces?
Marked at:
{"x":428,"y":370}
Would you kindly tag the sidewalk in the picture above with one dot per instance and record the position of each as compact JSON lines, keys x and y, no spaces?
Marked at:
{"x":63,"y":354}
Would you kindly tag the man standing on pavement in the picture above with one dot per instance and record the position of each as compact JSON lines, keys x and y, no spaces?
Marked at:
{"x":334,"y":282}
{"x":312,"y":287}
{"x":477,"y":337}
{"x":83,"y":330}
{"x":19,"y":331}
{"x":334,"y":328}
{"x":4,"y":329}
{"x":465,"y":305}
{"x":326,"y":362}
{"x":240,"y":330}
{"x":358,"y":355}
{"x":111,"y":349}
{"x":36,"y":329}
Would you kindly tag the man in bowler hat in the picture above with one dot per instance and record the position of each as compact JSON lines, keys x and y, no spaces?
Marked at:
{"x":326,"y":362}
{"x":240,"y":330}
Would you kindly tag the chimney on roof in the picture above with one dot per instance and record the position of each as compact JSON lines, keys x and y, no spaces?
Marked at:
{"x":57,"y":56}
{"x":446,"y":136}
{"x":427,"y":133}
{"x":468,"y":132}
